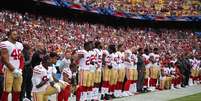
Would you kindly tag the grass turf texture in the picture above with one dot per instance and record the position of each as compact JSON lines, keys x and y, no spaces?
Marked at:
{"x":195,"y":97}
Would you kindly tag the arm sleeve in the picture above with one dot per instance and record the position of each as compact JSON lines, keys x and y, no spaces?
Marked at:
{"x":2,"y":45}
{"x":22,"y":61}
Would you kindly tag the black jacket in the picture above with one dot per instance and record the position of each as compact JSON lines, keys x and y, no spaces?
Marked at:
{"x":37,"y":58}
{"x":140,"y":63}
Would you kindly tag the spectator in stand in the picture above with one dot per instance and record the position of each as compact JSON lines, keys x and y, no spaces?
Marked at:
{"x":37,"y":29}
{"x":51,"y":34}
{"x":148,"y":7}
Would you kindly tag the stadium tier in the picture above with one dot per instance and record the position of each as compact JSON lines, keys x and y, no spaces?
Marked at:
{"x":165,"y":10}
{"x":90,"y":50}
{"x":59,"y":33}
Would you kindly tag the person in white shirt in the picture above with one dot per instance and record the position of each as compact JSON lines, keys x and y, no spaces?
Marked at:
{"x":121,"y":70}
{"x":146,"y":57}
{"x":154,"y":73}
{"x":13,"y":64}
{"x":106,"y":75}
{"x":113,"y":66}
{"x":43,"y":83}
{"x":131,"y":72}
{"x":97,"y":77}
{"x":85,"y":76}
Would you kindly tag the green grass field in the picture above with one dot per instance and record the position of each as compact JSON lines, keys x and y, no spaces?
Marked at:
{"x":195,"y":97}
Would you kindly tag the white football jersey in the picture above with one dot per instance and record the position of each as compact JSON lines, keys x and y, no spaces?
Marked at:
{"x":167,"y":70}
{"x":134,"y":60}
{"x":156,"y":58}
{"x":197,"y":64}
{"x":51,"y":70}
{"x":194,"y":63}
{"x":120,"y":59}
{"x":146,"y":58}
{"x":99,"y":55}
{"x":14,"y":51}
{"x":114,"y":61}
{"x":93,"y":66}
{"x":68,"y":72}
{"x":191,"y":61}
{"x":173,"y":71}
{"x":128,"y":56}
{"x":107,"y":57}
{"x":38,"y":73}
{"x":84,"y":63}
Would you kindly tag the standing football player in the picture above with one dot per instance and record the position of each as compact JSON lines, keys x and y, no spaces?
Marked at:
{"x":114,"y":71}
{"x":99,"y":54}
{"x":131,"y":72}
{"x":106,"y":75}
{"x":121,"y":70}
{"x":154,"y":74}
{"x":147,"y":66}
{"x":11,"y":55}
{"x":83,"y":56}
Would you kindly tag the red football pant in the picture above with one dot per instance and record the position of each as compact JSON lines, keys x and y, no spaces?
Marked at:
{"x":64,"y":94}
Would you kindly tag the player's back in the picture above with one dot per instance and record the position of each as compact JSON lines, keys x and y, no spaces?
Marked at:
{"x":85,"y":60}
{"x":99,"y":54}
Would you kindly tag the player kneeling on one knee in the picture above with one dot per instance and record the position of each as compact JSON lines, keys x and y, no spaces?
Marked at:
{"x":43,"y":83}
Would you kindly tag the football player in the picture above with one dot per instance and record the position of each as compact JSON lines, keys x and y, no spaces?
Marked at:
{"x":92,"y":92}
{"x":11,"y":55}
{"x":121,"y":70}
{"x":134,"y":60}
{"x":147,"y":66}
{"x":43,"y":82}
{"x":194,"y":70}
{"x":199,"y":69}
{"x":114,"y":70}
{"x":154,"y":73}
{"x":99,"y":55}
{"x":84,"y":58}
{"x":106,"y":59}
{"x":131,"y":72}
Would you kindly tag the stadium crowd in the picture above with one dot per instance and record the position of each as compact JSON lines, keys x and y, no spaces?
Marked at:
{"x":58,"y":36}
{"x":148,"y":7}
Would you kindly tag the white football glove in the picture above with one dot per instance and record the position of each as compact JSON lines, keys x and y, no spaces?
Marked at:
{"x":17,"y":73}
{"x":57,"y":86}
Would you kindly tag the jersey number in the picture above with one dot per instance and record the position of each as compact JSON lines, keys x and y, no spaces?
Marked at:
{"x":88,"y":61}
{"x":16,"y":54}
{"x":99,"y":59}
